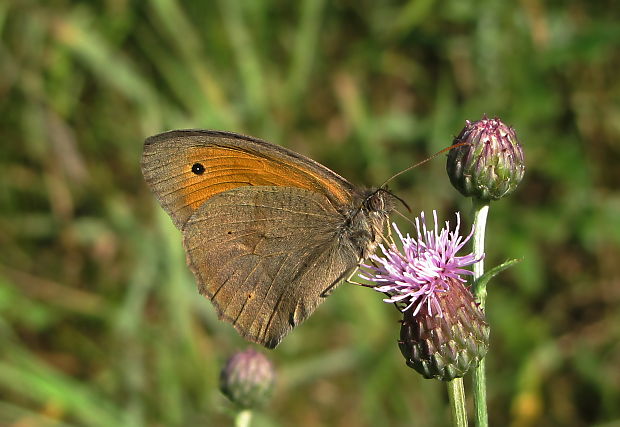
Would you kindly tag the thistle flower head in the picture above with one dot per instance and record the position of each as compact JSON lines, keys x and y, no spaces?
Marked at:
{"x":443,"y":332}
{"x":419,"y":274}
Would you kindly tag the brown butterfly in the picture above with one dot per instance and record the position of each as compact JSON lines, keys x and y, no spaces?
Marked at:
{"x":267,"y":232}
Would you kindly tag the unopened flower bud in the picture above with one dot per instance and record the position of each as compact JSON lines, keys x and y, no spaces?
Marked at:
{"x":445,"y":344}
{"x":491,"y":165}
{"x":248,"y":378}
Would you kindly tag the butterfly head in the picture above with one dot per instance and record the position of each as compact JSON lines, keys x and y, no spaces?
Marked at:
{"x":368,"y":219}
{"x":381,"y":202}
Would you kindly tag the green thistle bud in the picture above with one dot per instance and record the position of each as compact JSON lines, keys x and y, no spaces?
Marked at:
{"x":248,"y":378}
{"x":491,"y":165}
{"x":445,"y":344}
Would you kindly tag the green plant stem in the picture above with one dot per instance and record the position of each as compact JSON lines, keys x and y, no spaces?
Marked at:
{"x":481,"y":210}
{"x":456,"y":393}
{"x":479,"y":379}
{"x":243,"y":418}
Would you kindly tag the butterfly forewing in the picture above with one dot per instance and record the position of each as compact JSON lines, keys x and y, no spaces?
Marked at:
{"x":186,"y":168}
{"x":265,"y":256}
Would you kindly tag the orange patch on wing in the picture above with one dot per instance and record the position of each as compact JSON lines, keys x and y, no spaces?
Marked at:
{"x":228,"y":168}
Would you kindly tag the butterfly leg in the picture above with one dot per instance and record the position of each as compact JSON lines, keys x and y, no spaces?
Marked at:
{"x":353,"y":273}
{"x":389,"y":232}
{"x":327,"y":292}
{"x":398,"y":306}
{"x":389,"y":239}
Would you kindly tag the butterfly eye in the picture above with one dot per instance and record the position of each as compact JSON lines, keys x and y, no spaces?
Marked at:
{"x":375,"y":202}
{"x":198,"y":168}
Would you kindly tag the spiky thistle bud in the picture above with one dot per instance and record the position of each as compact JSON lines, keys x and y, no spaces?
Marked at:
{"x":248,"y":378}
{"x":443,"y":332}
{"x":491,"y":165}
{"x":445,"y":346}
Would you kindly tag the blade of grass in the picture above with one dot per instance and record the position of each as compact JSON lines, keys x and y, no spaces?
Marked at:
{"x":247,"y":58}
{"x":304,"y":50}
{"x":23,"y":374}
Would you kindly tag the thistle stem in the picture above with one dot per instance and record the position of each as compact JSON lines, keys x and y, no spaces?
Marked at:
{"x":481,"y":210}
{"x":456,"y":393}
{"x":243,"y":418}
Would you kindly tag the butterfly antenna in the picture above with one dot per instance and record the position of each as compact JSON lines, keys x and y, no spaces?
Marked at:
{"x":424,"y":161}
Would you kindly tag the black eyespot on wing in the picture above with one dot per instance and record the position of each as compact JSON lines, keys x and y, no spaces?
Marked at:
{"x":198,"y":168}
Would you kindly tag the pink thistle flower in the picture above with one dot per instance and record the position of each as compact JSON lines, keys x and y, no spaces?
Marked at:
{"x":443,"y":332}
{"x":424,"y":269}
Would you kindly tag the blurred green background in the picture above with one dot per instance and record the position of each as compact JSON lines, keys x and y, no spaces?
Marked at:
{"x":100,"y":321}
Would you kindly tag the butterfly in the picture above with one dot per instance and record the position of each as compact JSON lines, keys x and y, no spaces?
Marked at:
{"x":267,"y":232}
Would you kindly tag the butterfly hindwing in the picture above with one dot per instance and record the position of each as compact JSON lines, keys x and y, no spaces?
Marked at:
{"x":264,"y":255}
